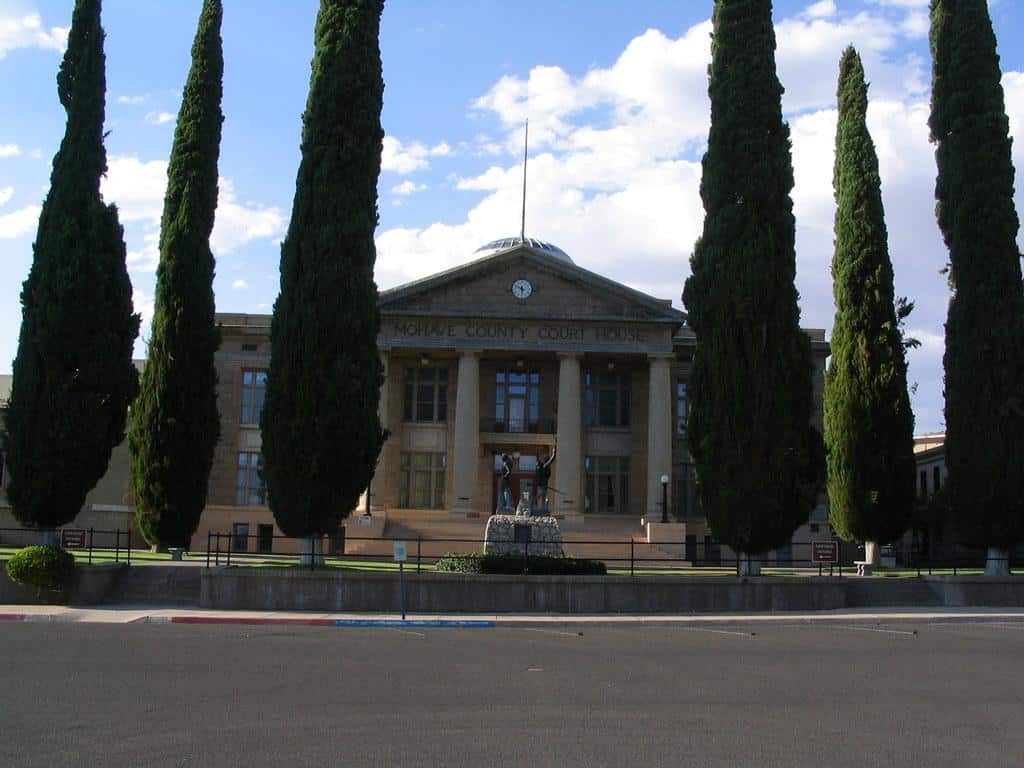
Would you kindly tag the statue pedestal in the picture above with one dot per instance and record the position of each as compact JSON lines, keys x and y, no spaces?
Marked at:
{"x":522,"y":534}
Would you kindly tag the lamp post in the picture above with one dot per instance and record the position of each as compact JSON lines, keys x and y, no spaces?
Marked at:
{"x":664,"y":498}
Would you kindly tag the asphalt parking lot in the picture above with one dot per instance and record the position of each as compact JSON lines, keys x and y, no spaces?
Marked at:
{"x":902,"y":693}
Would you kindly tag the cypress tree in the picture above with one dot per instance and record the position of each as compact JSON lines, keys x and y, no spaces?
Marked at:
{"x":175,"y":425}
{"x":984,"y":360}
{"x":759,"y":462}
{"x":321,"y":432}
{"x":73,"y":372}
{"x":869,"y":426}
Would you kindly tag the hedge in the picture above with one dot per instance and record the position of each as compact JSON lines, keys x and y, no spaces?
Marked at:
{"x":42,"y":567}
{"x":513,"y":564}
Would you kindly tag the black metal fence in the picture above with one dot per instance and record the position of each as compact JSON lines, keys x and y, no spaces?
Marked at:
{"x":86,"y":543}
{"x":624,"y":556}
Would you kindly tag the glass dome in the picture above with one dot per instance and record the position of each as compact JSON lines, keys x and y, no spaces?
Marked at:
{"x":505,"y":243}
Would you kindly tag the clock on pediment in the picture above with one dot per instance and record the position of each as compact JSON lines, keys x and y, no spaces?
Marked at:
{"x":522,"y":289}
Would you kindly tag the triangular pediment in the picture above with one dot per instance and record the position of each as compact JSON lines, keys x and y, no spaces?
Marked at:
{"x":557,"y":289}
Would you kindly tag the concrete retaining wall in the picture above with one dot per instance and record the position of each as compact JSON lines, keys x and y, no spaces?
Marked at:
{"x":962,"y":591}
{"x":269,"y":589}
{"x":93,"y":584}
{"x":461,"y":593}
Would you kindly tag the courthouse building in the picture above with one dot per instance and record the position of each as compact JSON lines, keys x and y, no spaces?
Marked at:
{"x":520,"y":352}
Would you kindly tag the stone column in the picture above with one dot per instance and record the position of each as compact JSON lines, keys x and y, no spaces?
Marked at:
{"x":568,"y":499}
{"x":659,"y":434}
{"x":466,"y":451}
{"x":380,"y":476}
{"x":373,"y":497}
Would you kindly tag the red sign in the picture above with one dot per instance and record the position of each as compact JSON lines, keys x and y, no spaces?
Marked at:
{"x":824,"y":552}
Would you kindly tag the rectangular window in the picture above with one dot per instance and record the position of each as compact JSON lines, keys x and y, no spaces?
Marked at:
{"x":421,"y":482}
{"x":936,"y":479}
{"x":254,"y":392}
{"x":250,"y":490}
{"x":681,"y":415}
{"x":241,"y":537}
{"x":265,"y":536}
{"x":923,"y":490}
{"x":426,"y":395}
{"x":685,"y":500}
{"x":607,"y":485}
{"x":607,"y":398}
{"x":516,"y":401}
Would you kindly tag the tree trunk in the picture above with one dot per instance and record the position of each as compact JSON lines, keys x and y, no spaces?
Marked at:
{"x":748,"y":566}
{"x":871,"y":553}
{"x":998,"y":562}
{"x":49,"y":538}
{"x":312,"y":551}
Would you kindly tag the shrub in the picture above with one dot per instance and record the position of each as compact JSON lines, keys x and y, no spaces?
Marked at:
{"x":42,"y":567}
{"x":482,"y":562}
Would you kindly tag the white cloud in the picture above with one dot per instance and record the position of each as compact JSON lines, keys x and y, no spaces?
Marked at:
{"x":138,"y":189}
{"x":20,"y":222}
{"x":405,"y":158}
{"x":159,"y":118}
{"x":239,"y":223}
{"x":821,"y":10}
{"x":615,"y":173}
{"x":147,"y":257}
{"x":407,"y":188}
{"x":132,"y":100}
{"x":27,"y":31}
{"x":9,"y":150}
{"x":143,"y":303}
{"x":5,"y":195}
{"x":239,"y":285}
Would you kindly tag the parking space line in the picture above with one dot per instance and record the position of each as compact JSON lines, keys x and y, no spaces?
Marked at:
{"x":718,"y":631}
{"x":420,"y":635}
{"x":876,"y":629}
{"x":549,"y":631}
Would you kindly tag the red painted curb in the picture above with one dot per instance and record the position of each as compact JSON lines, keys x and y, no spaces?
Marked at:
{"x":12,"y":617}
{"x":249,"y":620}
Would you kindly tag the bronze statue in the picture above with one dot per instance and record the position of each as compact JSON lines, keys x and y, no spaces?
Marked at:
{"x":542,"y":476}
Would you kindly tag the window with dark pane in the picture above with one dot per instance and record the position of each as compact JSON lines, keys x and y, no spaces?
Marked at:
{"x":681,"y":408}
{"x":425,"y":395}
{"x":250,"y":491}
{"x":516,"y":401}
{"x":607,"y":485}
{"x":254,"y":392}
{"x":607,"y":398}
{"x":421,"y":481}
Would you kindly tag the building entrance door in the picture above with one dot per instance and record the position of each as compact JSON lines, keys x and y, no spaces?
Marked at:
{"x":518,"y":483}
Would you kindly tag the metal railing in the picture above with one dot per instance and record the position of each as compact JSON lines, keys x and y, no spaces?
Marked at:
{"x":519,"y":426}
{"x":623,"y":556}
{"x":86,"y":543}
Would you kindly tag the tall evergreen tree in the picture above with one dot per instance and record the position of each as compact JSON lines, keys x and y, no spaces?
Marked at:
{"x":869,"y":426}
{"x":175,"y":425}
{"x":73,"y":373}
{"x":759,"y":462}
{"x":984,"y":358}
{"x":321,"y":432}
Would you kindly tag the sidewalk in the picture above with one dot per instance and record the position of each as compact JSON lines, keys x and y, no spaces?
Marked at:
{"x":151,"y":615}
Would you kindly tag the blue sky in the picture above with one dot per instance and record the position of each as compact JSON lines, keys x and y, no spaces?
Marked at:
{"x":616,"y":94}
